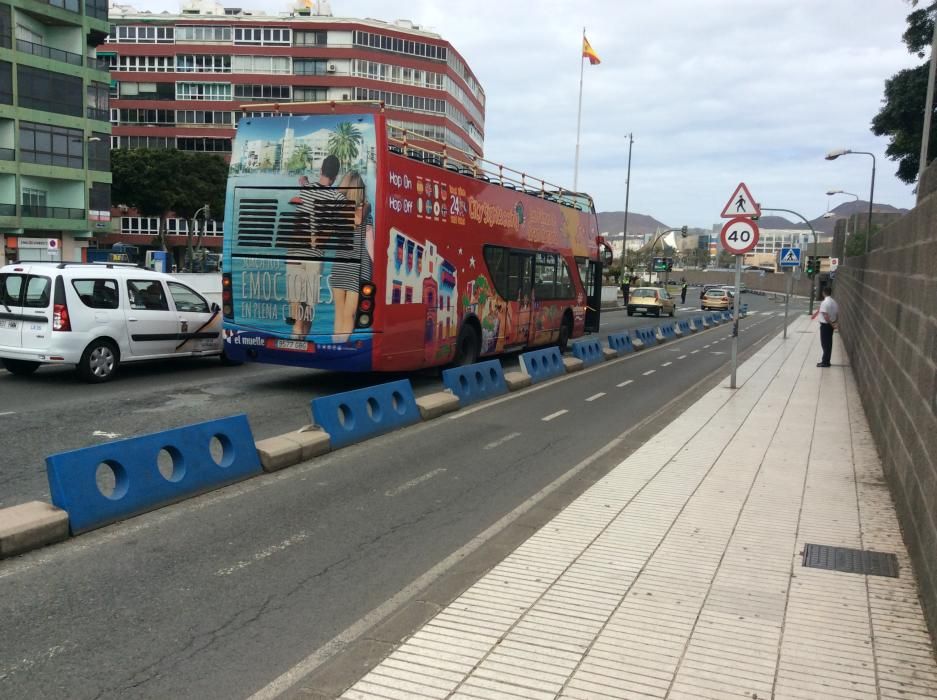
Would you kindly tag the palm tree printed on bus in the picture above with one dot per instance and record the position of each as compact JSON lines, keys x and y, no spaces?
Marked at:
{"x":344,"y":142}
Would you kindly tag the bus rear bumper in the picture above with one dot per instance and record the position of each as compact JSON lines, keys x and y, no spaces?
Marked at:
{"x":322,"y":352}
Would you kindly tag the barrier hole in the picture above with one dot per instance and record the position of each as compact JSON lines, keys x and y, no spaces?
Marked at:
{"x":345,"y":419}
{"x":374,"y":409}
{"x":170,"y":464}
{"x":533,"y":363}
{"x":494,"y":375}
{"x":221,"y":450}
{"x":463,"y":384}
{"x":111,"y":480}
{"x":397,"y":402}
{"x":479,"y":379}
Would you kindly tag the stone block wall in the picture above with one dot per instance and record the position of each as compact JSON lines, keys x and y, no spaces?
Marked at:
{"x":888,"y":310}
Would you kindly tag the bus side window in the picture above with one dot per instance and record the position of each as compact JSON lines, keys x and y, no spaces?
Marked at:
{"x":564,"y":283}
{"x":519,"y":275}
{"x":545,"y":276}
{"x":497,"y":260}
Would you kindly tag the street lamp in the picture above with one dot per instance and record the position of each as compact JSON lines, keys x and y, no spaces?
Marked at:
{"x":828,"y":215}
{"x":833,"y":155}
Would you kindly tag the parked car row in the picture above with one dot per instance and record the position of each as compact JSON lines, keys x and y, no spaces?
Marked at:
{"x":98,"y":316}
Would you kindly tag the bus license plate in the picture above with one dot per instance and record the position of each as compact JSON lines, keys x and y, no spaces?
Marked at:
{"x":4,"y":323}
{"x":300,"y":345}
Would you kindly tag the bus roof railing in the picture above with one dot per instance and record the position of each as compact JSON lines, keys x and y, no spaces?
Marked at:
{"x":438,"y":153}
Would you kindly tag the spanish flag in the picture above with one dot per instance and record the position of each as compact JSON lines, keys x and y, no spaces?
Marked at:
{"x":589,"y":52}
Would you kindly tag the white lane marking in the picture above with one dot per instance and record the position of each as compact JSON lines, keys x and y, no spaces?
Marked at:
{"x":716,"y":353}
{"x":682,"y":357}
{"x":767,"y":313}
{"x":650,"y":371}
{"x":596,"y":396}
{"x":693,"y":352}
{"x":498,"y":443}
{"x":554,"y":415}
{"x":109,"y":436}
{"x":707,"y":346}
{"x":667,"y":364}
{"x":340,"y":642}
{"x":264,"y":553}
{"x":625,"y":383}
{"x":7,"y":413}
{"x":413,"y":482}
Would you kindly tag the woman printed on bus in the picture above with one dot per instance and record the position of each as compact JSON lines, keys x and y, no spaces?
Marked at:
{"x":346,"y":278}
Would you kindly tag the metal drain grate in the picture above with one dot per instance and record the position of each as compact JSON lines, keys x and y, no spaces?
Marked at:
{"x":851,"y":561}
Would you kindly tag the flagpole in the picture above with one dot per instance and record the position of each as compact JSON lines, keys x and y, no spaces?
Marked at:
{"x":582,"y":66}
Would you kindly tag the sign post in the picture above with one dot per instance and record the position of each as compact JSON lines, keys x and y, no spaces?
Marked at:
{"x":789,"y":257}
{"x":739,"y":235}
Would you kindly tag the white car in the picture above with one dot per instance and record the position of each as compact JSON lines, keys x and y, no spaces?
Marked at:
{"x":97,"y":316}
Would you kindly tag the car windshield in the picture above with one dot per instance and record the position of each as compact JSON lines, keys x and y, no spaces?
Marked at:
{"x":652,"y":293}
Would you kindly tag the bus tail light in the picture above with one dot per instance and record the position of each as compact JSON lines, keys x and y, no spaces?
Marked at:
{"x":60,"y":319}
{"x":227,"y":303}
{"x":365,"y":315}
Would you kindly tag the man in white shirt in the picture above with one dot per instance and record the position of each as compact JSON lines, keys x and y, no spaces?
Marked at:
{"x":829,"y":318}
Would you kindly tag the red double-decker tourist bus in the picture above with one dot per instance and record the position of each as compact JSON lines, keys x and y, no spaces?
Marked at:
{"x":349,"y":246}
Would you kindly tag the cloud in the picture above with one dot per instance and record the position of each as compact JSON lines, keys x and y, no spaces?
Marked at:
{"x":715,"y":92}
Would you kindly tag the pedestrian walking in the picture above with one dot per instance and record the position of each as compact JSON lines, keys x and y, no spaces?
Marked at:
{"x":683,"y":292}
{"x":828,"y":315}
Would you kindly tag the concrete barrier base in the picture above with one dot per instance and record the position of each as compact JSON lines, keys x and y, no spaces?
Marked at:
{"x":30,"y":526}
{"x":572,"y":364}
{"x":278,"y":452}
{"x":313,"y":440}
{"x":517,"y":380}
{"x":435,"y":405}
{"x":609,"y":354}
{"x":637,"y":344}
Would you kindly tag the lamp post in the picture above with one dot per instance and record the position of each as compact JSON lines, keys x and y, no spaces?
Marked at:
{"x":624,"y":231}
{"x":833,"y":155}
{"x":830,"y":193}
{"x":816,"y":277}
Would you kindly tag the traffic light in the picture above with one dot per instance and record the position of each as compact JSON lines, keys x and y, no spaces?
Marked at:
{"x":812,"y":267}
{"x":669,"y":264}
{"x":683,"y":231}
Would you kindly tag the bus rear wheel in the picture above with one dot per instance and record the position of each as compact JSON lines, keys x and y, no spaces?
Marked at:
{"x":467,"y":346}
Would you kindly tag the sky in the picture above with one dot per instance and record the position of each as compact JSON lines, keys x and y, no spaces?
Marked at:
{"x":716,"y":92}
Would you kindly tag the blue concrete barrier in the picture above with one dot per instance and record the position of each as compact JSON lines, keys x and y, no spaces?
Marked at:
{"x":667,"y":332}
{"x":685,"y":326}
{"x":698,"y":324}
{"x":743,"y":310}
{"x":589,"y":350}
{"x":726,"y":315}
{"x":140,"y":483}
{"x":620,"y":343}
{"x":475,"y":382}
{"x":715,"y":319}
{"x":647,"y":335}
{"x":352,"y":416}
{"x":543,"y":363}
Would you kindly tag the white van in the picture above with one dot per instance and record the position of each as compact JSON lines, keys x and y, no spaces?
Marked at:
{"x":99,"y":315}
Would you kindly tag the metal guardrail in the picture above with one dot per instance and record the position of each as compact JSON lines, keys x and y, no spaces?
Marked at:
{"x":44,"y":51}
{"x":40,"y":212}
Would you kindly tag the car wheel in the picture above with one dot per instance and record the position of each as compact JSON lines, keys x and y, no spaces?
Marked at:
{"x":20,"y":367}
{"x":673,"y":311}
{"x":467,"y":346}
{"x":99,"y":362}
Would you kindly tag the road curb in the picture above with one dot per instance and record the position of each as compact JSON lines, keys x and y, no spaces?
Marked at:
{"x":30,"y":526}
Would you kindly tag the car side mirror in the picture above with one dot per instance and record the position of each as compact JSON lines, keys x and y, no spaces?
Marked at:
{"x":215,"y":308}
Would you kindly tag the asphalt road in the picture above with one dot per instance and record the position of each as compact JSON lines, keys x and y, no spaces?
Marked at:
{"x":217,"y":596}
{"x":54,"y":410}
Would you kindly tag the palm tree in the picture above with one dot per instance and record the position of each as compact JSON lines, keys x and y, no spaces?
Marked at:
{"x":343,"y":143}
{"x":299,"y":158}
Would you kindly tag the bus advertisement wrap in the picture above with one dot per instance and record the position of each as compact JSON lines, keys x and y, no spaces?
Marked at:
{"x":398,"y":260}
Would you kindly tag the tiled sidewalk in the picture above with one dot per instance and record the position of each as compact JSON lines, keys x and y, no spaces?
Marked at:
{"x":679,"y":574}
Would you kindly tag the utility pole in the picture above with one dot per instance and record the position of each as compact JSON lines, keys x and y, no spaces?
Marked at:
{"x":624,"y":231}
{"x":928,"y":111}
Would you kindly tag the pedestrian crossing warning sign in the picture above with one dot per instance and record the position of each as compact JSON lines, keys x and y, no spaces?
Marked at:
{"x":790,"y":257}
{"x":741,"y":203}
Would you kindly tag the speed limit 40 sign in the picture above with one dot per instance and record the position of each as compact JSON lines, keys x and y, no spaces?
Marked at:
{"x":739,"y":235}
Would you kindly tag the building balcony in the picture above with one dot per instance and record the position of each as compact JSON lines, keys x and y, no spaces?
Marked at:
{"x":7,"y":210}
{"x":44,"y":51}
{"x":98,"y":114}
{"x":7,"y":154}
{"x":41,"y":212}
{"x":101,"y":64}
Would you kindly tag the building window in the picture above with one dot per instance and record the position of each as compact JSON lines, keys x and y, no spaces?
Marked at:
{"x":262,"y":64}
{"x":70,"y":5}
{"x":310,"y":66}
{"x":161,"y":142}
{"x":99,"y":198}
{"x":134,"y":115}
{"x":310,"y":39}
{"x":209,"y":145}
{"x":140,"y":64}
{"x":197,"y":116}
{"x":6,"y":27}
{"x":96,"y":9}
{"x":6,"y":83}
{"x":199,"y":63}
{"x":389,"y":43}
{"x":33,"y":201}
{"x":263,"y":36}
{"x":139,"y":225}
{"x":203,"y":91}
{"x":98,"y":95}
{"x":130,"y":34}
{"x":50,"y":92}
{"x":99,"y":153}
{"x":414,"y":103}
{"x":262,"y":92}
{"x":51,"y":145}
{"x":310,"y":94}
{"x":203,"y":35}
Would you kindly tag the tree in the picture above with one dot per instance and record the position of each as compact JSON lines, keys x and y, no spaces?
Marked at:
{"x":299,"y":158}
{"x":902,"y":114}
{"x":343,"y":143}
{"x":156,"y":182}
